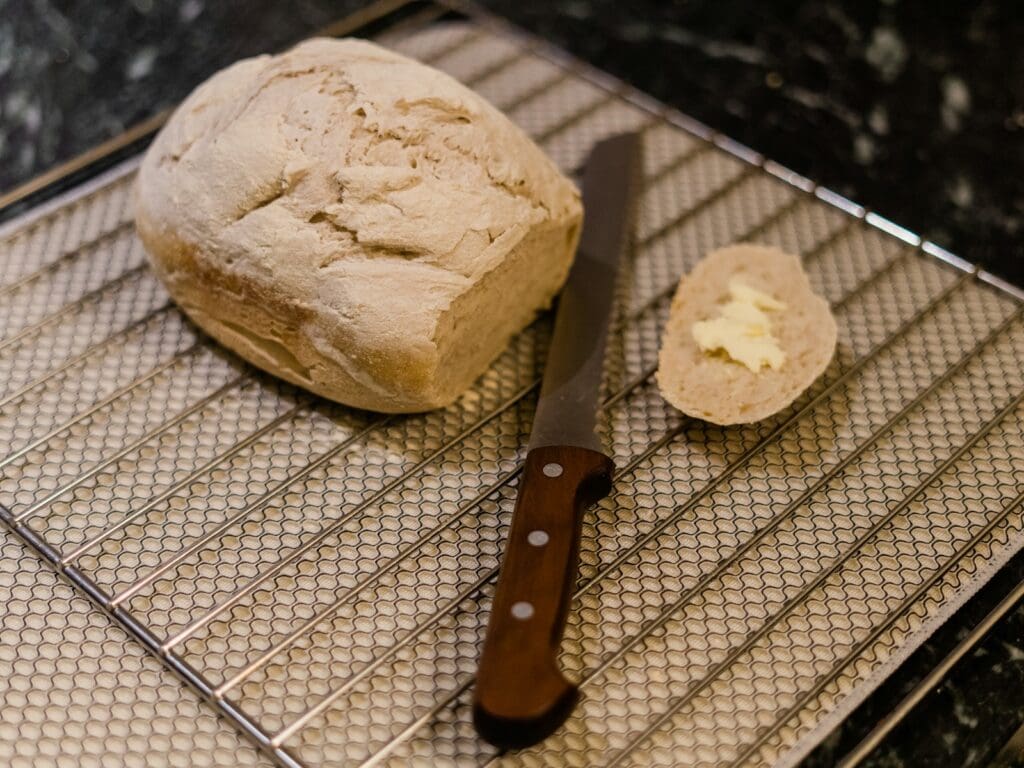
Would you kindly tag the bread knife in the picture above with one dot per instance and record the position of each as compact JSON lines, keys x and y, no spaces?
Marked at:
{"x":521,"y":694}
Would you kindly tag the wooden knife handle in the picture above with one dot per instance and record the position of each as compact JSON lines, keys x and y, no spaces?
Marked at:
{"x":521,"y":695}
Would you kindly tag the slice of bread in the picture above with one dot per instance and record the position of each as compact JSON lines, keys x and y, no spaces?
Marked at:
{"x":713,"y":387}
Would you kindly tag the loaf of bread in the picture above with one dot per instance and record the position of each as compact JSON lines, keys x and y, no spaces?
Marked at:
{"x":355,"y":222}
{"x":788,"y":356}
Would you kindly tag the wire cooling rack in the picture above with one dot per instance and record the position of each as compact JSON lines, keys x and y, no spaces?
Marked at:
{"x":322,"y":576}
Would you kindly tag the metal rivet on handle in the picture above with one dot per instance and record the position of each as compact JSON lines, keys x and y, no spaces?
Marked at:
{"x":522,"y":611}
{"x":538,"y":538}
{"x":553,"y":469}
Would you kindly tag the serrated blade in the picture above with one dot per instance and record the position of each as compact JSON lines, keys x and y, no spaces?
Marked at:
{"x":567,"y":409}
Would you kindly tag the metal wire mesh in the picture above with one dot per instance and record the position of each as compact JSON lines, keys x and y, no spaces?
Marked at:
{"x":324,"y":575}
{"x":77,"y":691}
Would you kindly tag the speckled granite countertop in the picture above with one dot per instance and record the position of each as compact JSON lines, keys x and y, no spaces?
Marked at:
{"x":914,"y":110}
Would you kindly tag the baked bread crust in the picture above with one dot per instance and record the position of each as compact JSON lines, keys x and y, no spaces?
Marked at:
{"x":355,"y":222}
{"x":716,"y":389}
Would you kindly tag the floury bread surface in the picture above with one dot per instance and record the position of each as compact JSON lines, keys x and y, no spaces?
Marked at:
{"x":711,"y":386}
{"x":355,"y":222}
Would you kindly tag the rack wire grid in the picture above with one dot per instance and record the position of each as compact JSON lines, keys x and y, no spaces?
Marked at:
{"x":322,"y":576}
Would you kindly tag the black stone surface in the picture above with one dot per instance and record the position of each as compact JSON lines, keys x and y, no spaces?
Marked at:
{"x":913,"y":109}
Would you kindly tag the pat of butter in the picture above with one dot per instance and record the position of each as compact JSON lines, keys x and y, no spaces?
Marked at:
{"x":743,"y":329}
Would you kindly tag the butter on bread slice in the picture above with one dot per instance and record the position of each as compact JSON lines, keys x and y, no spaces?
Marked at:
{"x":707,"y":383}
